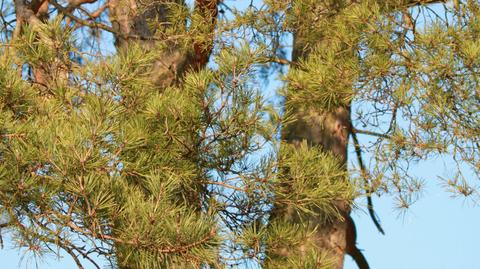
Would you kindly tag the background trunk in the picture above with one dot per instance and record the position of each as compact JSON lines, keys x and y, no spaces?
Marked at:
{"x":331,"y":131}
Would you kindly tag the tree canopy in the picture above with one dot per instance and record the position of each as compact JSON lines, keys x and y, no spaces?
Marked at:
{"x":139,"y":131}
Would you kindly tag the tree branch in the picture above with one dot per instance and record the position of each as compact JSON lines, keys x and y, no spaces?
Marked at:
{"x":368,"y":187}
{"x":366,"y":132}
{"x":202,"y":50}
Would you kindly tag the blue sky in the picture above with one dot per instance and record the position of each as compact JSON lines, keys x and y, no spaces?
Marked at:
{"x":438,"y":231}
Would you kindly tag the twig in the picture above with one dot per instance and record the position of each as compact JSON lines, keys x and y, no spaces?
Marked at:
{"x":139,"y":243}
{"x":11,"y":136}
{"x":366,"y":132}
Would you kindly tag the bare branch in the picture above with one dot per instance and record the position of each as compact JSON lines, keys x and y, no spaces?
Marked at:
{"x":366,"y":132}
{"x":368,"y":187}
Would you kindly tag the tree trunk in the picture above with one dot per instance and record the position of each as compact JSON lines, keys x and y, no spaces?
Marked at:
{"x":331,"y":131}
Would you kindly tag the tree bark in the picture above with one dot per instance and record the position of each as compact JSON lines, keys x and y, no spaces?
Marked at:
{"x":33,"y":14}
{"x":131,"y":26}
{"x":330,"y":131}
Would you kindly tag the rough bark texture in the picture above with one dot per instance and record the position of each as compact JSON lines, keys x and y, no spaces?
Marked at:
{"x":33,"y":14}
{"x":128,"y":22}
{"x":131,"y":25}
{"x":331,"y":131}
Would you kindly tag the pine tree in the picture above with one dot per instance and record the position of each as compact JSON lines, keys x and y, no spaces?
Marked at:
{"x":136,"y":130}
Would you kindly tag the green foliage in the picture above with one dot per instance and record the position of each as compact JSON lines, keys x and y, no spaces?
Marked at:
{"x":99,"y":157}
{"x":283,"y":241}
{"x":309,"y":183}
{"x":107,"y":158}
{"x":310,"y":180}
{"x":422,"y":82}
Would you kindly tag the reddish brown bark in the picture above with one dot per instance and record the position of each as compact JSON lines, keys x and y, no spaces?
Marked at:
{"x":173,"y":62}
{"x":33,"y":14}
{"x":202,"y":50}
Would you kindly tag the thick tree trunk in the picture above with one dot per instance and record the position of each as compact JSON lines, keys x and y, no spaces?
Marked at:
{"x":33,"y":14}
{"x":131,"y":26}
{"x":331,"y":131}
